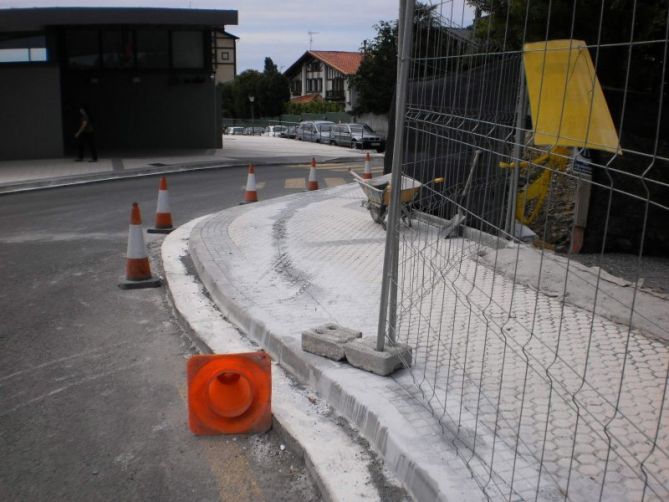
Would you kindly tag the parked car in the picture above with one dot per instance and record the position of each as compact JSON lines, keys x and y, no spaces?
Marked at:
{"x":317,"y":131}
{"x":254,"y":131}
{"x":274,"y":130}
{"x":290,"y":132}
{"x":234,"y":130}
{"x":357,"y":136}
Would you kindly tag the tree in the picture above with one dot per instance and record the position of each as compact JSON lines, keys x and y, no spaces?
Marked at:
{"x":270,"y":67}
{"x":270,"y":90}
{"x":507,"y":24}
{"x":377,"y":74}
{"x":375,"y":79}
{"x":274,"y":90}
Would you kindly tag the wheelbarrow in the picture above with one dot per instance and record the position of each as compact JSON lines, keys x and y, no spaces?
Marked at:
{"x":378,"y":192}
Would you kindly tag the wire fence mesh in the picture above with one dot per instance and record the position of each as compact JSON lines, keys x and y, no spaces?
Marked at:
{"x":532,"y":284}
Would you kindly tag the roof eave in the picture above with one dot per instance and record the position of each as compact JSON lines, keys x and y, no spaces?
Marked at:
{"x":39,"y":18}
{"x":314,"y":55}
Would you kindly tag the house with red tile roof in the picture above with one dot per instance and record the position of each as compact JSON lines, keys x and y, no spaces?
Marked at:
{"x":324,"y":74}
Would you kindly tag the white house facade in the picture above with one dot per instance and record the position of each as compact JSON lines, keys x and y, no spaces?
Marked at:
{"x":325,"y":74}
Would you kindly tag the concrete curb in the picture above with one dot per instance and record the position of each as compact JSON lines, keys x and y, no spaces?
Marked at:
{"x":337,"y":463}
{"x":64,"y":181}
{"x":425,"y":480}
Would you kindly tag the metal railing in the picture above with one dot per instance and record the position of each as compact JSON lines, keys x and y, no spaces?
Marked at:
{"x":533,"y":287}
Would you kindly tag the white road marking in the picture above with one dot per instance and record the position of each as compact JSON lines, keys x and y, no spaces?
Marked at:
{"x":334,"y":182}
{"x":295,"y":183}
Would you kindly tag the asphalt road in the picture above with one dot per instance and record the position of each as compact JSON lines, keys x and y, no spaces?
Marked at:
{"x":92,"y":378}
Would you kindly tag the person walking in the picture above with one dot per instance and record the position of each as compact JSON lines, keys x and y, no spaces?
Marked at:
{"x":85,"y":135}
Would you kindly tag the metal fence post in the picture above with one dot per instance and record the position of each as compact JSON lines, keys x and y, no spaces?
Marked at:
{"x":521,"y":111}
{"x":389,"y":284}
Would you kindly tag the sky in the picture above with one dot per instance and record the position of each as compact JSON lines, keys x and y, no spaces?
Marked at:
{"x":279,"y":29}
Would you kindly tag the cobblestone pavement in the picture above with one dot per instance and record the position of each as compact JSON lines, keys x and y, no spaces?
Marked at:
{"x":536,"y":396}
{"x":502,"y":352}
{"x":551,"y":381}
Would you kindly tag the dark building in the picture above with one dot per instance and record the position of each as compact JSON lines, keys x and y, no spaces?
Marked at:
{"x":145,"y":74}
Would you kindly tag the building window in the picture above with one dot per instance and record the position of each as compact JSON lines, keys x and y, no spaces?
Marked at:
{"x":314,"y":85}
{"x":118,"y":49}
{"x":225,"y":56}
{"x":153,"y":49}
{"x":332,"y":73}
{"x":187,"y":49}
{"x":296,"y":87}
{"x":130,"y":49}
{"x":83,"y":49}
{"x":314,"y":66}
{"x":23,"y":49}
{"x":338,"y":85}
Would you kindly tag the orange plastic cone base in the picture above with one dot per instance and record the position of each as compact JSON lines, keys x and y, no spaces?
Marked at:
{"x":312,"y":185}
{"x":163,"y":220}
{"x":137,"y":269}
{"x":229,"y":393}
{"x":250,"y":196}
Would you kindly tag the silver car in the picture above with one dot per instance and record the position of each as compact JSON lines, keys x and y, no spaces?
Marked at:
{"x":317,"y":131}
{"x":357,"y":136}
{"x":275,"y":130}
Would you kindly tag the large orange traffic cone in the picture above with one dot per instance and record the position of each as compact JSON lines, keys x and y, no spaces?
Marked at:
{"x":367,"y":173}
{"x":137,"y":269}
{"x":251,"y":195}
{"x":163,"y":214}
{"x":229,"y":393}
{"x":313,"y":182}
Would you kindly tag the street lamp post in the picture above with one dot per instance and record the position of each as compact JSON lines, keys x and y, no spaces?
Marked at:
{"x":252,"y":99}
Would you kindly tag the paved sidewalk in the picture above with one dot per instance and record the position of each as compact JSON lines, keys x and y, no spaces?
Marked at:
{"x":279,"y":267}
{"x":20,"y":175}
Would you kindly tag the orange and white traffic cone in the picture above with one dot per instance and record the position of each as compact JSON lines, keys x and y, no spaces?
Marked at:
{"x":367,"y":173}
{"x":137,"y":269}
{"x":163,"y":214}
{"x":251,"y":195}
{"x":313,"y":182}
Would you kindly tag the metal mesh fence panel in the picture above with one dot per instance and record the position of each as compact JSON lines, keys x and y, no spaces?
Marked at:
{"x":532,"y":283}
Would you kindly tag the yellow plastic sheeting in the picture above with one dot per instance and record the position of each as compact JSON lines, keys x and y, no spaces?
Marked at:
{"x":566,"y":101}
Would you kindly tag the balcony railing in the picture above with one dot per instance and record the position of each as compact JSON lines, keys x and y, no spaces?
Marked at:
{"x":335,"y":95}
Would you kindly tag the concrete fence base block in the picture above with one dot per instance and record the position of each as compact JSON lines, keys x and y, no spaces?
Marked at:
{"x":328,"y":340}
{"x":363,"y":354}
